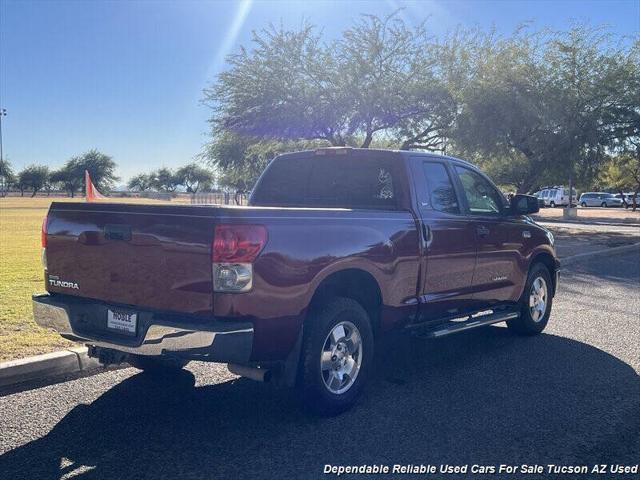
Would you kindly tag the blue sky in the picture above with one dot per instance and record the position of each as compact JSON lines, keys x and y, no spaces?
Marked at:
{"x":127,"y":77}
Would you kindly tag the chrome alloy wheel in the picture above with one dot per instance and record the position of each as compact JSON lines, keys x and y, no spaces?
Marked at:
{"x":341,"y":357}
{"x":538,"y":299}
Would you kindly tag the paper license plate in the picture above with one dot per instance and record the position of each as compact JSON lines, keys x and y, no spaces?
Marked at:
{"x":122,"y":322}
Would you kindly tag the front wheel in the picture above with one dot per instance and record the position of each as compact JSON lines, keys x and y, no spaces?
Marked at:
{"x":535,"y":303}
{"x":583,"y":205}
{"x":336,"y":357}
{"x":604,"y":205}
{"x":552,"y":204}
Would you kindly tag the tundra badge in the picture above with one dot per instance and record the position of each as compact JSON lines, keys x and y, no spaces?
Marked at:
{"x":55,"y":281}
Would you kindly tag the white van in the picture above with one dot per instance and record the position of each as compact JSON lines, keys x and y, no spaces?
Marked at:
{"x":557,"y":196}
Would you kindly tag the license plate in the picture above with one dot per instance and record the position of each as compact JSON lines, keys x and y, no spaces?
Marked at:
{"x":122,"y":322}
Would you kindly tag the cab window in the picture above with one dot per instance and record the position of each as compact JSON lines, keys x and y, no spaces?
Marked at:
{"x":482,"y":196}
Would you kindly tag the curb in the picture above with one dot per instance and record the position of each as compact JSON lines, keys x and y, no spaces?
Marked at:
{"x":46,"y":366}
{"x":625,"y":222}
{"x":598,"y":253}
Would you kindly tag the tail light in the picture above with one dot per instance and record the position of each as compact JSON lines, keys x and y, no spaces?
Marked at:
{"x":235,"y":247}
{"x":43,"y":241}
{"x":43,"y":234}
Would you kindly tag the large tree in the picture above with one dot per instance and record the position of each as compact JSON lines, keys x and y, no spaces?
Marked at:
{"x":33,"y":177}
{"x":140,"y":183}
{"x":534,"y":107}
{"x":377,"y":79}
{"x":68,"y":177}
{"x":194,"y":177}
{"x":164,"y":179}
{"x":100,"y":166}
{"x":559,"y":101}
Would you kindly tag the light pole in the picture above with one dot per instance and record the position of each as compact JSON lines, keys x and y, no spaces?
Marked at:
{"x":3,"y":113}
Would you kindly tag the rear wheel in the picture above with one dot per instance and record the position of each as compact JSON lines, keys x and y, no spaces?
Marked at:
{"x":156,"y":365}
{"x":336,"y":357}
{"x":604,"y":204}
{"x":535,"y":303}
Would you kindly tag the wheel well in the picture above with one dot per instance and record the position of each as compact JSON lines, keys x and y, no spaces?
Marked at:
{"x":355,"y":284}
{"x":548,"y":261}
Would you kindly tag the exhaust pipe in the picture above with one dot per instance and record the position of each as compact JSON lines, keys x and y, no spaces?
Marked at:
{"x":257,"y":374}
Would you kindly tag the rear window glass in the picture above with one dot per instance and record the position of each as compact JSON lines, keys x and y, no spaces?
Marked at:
{"x":329,"y":181}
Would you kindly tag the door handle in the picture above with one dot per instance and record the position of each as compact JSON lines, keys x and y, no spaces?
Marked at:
{"x":426,"y":234}
{"x":482,"y":231}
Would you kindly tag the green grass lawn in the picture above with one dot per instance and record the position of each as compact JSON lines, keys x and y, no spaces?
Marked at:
{"x":21,"y":275}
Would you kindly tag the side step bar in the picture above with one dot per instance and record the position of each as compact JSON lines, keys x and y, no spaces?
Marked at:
{"x":448,"y":328}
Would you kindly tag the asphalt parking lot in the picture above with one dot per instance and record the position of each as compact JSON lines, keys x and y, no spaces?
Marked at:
{"x":568,"y":396}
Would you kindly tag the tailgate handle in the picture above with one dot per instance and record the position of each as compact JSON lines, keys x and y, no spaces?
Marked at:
{"x":117,"y":232}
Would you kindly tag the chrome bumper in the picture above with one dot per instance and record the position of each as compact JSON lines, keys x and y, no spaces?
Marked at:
{"x":208,"y":340}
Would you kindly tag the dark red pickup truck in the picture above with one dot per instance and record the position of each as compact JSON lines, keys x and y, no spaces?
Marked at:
{"x":337,"y":247}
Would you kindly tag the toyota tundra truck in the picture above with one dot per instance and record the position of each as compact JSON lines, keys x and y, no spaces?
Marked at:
{"x":337,"y":248}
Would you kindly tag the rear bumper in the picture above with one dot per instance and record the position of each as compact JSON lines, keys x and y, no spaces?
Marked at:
{"x":157,"y":333}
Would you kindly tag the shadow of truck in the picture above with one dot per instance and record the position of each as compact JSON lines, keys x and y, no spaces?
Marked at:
{"x":484,"y":397}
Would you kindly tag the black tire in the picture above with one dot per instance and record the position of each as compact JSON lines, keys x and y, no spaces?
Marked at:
{"x":313,"y":390}
{"x":552,"y":204}
{"x":583,"y":205}
{"x":604,"y":204}
{"x":525,"y":324}
{"x":156,"y":365}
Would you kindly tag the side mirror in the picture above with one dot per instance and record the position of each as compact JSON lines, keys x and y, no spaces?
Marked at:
{"x":524,"y":204}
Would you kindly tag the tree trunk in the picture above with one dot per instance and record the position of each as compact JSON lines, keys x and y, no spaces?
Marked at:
{"x":34,"y":193}
{"x":367,"y":140}
{"x":570,"y":189}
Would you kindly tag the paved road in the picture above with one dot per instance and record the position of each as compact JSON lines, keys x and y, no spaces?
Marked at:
{"x":569,"y":396}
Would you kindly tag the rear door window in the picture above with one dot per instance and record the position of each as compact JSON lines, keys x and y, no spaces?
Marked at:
{"x":441,"y":194}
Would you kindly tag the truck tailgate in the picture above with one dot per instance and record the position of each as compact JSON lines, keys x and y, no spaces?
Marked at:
{"x":151,"y":256}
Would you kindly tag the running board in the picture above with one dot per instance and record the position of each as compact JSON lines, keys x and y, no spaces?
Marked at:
{"x":448,"y":328}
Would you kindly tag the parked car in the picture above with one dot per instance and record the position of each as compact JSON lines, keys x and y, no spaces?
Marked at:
{"x":557,"y":196}
{"x":599,"y":199}
{"x":627,"y":199}
{"x":337,"y":248}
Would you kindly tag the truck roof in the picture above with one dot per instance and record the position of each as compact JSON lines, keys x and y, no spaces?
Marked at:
{"x":375,"y":151}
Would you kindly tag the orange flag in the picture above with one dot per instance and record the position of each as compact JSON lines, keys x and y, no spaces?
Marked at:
{"x":92,"y":192}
